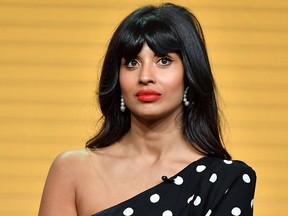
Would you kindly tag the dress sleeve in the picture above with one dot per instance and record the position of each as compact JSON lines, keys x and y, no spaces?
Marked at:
{"x":238,"y":198}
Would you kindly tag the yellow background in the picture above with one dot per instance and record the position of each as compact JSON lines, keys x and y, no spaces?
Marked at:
{"x":50,"y":53}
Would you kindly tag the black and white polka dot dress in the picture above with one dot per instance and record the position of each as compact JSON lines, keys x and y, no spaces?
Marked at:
{"x":209,"y":186}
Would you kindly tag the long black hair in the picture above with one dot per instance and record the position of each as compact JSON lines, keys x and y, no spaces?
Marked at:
{"x":166,"y":28}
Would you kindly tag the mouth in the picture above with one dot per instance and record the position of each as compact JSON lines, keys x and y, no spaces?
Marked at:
{"x":148,"y":95}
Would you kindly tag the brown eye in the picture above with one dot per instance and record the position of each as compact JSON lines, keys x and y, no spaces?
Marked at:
{"x":164,"y":61}
{"x":131,"y":63}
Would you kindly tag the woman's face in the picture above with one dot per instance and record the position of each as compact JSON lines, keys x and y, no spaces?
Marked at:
{"x":152,"y":86}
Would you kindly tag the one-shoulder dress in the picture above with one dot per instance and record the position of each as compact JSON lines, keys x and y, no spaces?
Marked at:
{"x":207,"y":187}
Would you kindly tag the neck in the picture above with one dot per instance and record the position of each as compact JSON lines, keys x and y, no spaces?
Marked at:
{"x":155,"y":138}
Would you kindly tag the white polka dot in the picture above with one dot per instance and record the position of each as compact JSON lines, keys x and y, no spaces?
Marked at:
{"x":128,"y":211}
{"x":154,"y":198}
{"x":228,"y":161}
{"x":213,"y":178}
{"x":200,"y":168}
{"x":246,"y":178}
{"x":167,"y":213}
{"x":252,"y":203}
{"x":227,"y":191}
{"x":190,"y":199}
{"x":236,"y":211}
{"x":197,"y":201}
{"x":178,"y":180}
{"x":209,"y":213}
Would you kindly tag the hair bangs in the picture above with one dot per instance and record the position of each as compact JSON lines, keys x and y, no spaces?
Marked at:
{"x":131,"y":43}
{"x":161,"y":38}
{"x":158,"y":35}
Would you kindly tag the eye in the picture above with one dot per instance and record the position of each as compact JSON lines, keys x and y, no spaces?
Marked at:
{"x":131,"y":63}
{"x":164,"y":61}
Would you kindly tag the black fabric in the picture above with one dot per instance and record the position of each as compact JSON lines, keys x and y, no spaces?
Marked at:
{"x":209,"y":186}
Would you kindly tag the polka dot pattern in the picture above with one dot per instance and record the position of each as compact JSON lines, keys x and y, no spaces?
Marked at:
{"x":228,"y":161}
{"x":154,"y":198}
{"x":195,"y":190}
{"x":167,"y":213}
{"x":236,"y":211}
{"x":197,"y":201}
{"x":209,"y":212}
{"x":190,"y":199}
{"x":213,"y":178}
{"x":178,"y":180}
{"x":128,"y":211}
{"x":246,"y":178}
{"x":200,"y":168}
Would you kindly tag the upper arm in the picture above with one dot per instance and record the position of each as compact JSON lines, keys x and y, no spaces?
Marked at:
{"x":239,"y":196}
{"x":59,"y":191}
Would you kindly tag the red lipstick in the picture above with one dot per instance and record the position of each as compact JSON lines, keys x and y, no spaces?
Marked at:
{"x":147,"y":95}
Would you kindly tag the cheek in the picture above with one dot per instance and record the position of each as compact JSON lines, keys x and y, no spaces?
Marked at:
{"x":174,"y":86}
{"x":174,"y":82}
{"x":126,"y":83}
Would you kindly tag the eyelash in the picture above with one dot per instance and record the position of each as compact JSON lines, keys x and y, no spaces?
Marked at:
{"x":161,"y":59}
{"x":128,"y":62}
{"x":167,"y":59}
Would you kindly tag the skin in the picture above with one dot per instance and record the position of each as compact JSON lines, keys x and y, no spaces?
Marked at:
{"x":147,"y":71}
{"x":83,"y":182}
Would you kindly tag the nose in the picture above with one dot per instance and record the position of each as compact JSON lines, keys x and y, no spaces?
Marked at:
{"x":146,"y":75}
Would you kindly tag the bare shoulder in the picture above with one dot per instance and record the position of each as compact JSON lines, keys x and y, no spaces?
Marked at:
{"x":70,"y":160}
{"x":72,"y":155}
{"x":66,"y":165}
{"x":79,"y":165}
{"x":58,"y":196}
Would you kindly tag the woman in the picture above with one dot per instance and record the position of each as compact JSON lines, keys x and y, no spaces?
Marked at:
{"x":159,"y":151}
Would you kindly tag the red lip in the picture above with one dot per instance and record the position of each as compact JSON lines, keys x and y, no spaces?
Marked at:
{"x":148,"y":95}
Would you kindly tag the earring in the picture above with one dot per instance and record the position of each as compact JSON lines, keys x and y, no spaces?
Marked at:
{"x":186,"y":102}
{"x":122,"y":104}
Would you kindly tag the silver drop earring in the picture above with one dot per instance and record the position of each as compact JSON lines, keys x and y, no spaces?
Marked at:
{"x":122,"y":104}
{"x":186,"y":102}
